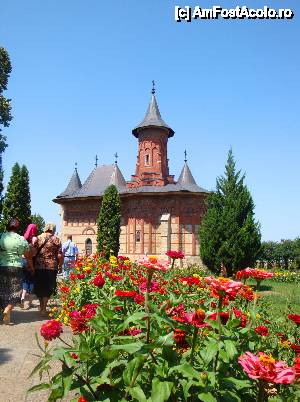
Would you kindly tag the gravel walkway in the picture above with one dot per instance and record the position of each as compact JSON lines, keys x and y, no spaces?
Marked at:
{"x":17,"y":347}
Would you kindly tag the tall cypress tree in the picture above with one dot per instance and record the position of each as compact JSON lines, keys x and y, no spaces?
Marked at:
{"x":24,"y":199}
{"x":11,"y":203}
{"x":229,"y":233}
{"x":5,"y":110}
{"x":109,"y":221}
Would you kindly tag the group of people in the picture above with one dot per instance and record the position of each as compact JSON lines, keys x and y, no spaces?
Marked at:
{"x":29,"y":265}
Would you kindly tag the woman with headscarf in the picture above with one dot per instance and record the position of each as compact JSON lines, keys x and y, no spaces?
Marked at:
{"x":28,"y":272}
{"x":47,"y":260}
{"x":12,"y":248}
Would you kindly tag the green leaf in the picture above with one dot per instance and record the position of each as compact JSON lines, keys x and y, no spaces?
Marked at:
{"x":133,"y":369}
{"x":39,"y":387}
{"x":167,"y":340}
{"x":230,"y":349}
{"x":128,"y":347}
{"x":209,"y":352}
{"x":161,"y":390}
{"x":186,"y":370}
{"x":234,"y":383}
{"x":207,"y":397}
{"x":138,"y":394}
{"x":224,"y":356}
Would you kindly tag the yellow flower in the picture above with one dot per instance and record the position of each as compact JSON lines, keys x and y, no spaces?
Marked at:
{"x":66,"y":320}
{"x":258,"y":315}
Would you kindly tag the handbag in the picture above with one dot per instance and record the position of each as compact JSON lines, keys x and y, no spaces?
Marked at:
{"x":34,"y":258}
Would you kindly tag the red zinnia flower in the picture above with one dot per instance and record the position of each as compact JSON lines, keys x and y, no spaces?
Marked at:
{"x":82,"y":399}
{"x":125,"y":293}
{"x":175,"y":255}
{"x":224,"y":315}
{"x":64,"y":289}
{"x":80,"y":276}
{"x":262,"y":330}
{"x":297,"y":368}
{"x":51,"y":330}
{"x":196,"y":318}
{"x":296,"y":348}
{"x":179,"y":336}
{"x":77,"y":322}
{"x":74,"y":355}
{"x":238,"y":314}
{"x":99,"y":281}
{"x":139,"y":298}
{"x":266,"y":368}
{"x":295,"y":318}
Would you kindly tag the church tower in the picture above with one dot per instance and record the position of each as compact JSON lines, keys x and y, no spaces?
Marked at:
{"x":152,"y":168}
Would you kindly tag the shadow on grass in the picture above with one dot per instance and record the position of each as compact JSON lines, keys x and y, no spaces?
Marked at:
{"x":263,"y":288}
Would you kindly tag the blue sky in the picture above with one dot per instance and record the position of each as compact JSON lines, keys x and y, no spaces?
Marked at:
{"x":81,"y":80}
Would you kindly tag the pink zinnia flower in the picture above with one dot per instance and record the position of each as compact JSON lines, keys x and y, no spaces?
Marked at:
{"x":264,"y":367}
{"x":153,"y":263}
{"x":221,"y":287}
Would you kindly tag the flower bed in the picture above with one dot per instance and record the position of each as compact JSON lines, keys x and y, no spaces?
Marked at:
{"x":149,"y":332}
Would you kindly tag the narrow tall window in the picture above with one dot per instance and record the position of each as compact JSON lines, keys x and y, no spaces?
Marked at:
{"x":88,"y":247}
{"x":147,"y":160}
{"x":138,"y":236}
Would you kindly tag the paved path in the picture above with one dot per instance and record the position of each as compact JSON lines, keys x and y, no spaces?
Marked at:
{"x":17,"y":346}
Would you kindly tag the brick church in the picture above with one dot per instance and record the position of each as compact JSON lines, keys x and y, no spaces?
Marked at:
{"x":158,"y":212}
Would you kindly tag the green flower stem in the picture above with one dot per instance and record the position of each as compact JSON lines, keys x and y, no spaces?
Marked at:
{"x":173,"y":262}
{"x":261,"y":397}
{"x":219,"y":317}
{"x":69,"y":346}
{"x":147,"y":305}
{"x":220,"y":303}
{"x":194,"y":341}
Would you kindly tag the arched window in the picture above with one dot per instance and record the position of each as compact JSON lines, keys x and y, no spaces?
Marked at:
{"x":88,"y":247}
{"x":147,"y":160}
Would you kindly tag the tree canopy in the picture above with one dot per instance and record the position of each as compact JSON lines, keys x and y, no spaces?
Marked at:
{"x":229,"y":234}
{"x":109,"y":220}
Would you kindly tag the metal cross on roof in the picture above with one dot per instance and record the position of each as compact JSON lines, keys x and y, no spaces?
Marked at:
{"x":116,"y":156}
{"x":76,"y":164}
{"x":153,"y":88}
{"x":185,"y":156}
{"x":96,"y":160}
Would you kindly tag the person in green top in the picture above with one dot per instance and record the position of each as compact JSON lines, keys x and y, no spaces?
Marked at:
{"x":12,"y":248}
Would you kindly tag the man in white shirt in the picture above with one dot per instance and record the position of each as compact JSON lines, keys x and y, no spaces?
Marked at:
{"x":70,"y":252}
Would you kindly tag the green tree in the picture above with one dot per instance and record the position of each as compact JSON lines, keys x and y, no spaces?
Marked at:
{"x":11,"y":203}
{"x":229,"y":233}
{"x":24,"y":199}
{"x":39,"y":221}
{"x":5,"y":110}
{"x":109,"y":221}
{"x":269,"y":253}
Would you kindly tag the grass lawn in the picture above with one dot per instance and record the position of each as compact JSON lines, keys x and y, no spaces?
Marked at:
{"x":285,"y":297}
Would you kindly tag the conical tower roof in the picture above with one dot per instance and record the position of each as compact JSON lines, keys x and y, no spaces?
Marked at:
{"x":186,"y":177}
{"x":74,"y":185}
{"x":152,"y":118}
{"x":117,"y":179}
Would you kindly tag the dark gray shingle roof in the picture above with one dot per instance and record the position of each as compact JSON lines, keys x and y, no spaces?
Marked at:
{"x":152,"y":119}
{"x":98,"y":181}
{"x":103,"y":176}
{"x":74,"y":185}
{"x":186,"y":177}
